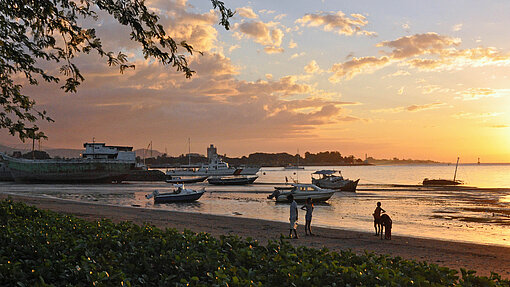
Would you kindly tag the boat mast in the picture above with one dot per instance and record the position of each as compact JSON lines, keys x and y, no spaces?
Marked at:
{"x":455,"y":174}
{"x":189,"y":151}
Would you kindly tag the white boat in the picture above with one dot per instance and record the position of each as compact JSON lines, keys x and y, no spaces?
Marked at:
{"x":179,"y":194}
{"x":215,"y":167}
{"x":330,"y":179}
{"x":301,"y":191}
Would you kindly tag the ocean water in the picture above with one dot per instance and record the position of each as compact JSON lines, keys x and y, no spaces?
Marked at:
{"x":477,"y":212}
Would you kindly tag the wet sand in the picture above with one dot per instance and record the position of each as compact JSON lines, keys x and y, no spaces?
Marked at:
{"x":482,"y":258}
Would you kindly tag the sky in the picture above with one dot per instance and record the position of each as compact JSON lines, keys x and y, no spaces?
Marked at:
{"x":405,"y":79}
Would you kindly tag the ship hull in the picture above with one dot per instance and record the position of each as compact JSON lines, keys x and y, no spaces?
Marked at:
{"x":68,"y":171}
{"x":214,"y":172}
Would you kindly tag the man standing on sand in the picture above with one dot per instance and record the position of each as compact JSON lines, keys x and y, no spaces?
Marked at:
{"x":293,"y":216}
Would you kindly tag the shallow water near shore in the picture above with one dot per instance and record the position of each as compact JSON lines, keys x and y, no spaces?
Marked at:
{"x":467,"y":213}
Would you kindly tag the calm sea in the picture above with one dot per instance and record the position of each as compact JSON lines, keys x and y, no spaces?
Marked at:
{"x":478,"y":212}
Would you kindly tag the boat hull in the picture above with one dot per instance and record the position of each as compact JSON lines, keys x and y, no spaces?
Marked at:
{"x":232,"y":181}
{"x":214,"y":172}
{"x":172,"y":197}
{"x":441,"y":182}
{"x":302,"y":196}
{"x":68,"y":171}
{"x":186,"y":180}
{"x":342,"y":185}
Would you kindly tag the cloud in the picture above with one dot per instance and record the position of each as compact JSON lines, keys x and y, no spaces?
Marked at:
{"x":292,"y":44}
{"x":357,"y":66}
{"x":466,"y":115}
{"x":457,"y":27}
{"x":279,"y":17}
{"x":312,"y":68}
{"x":411,"y":108}
{"x":297,"y":55}
{"x":426,"y":52}
{"x":233,"y":47}
{"x":400,"y":91}
{"x":472,"y":94}
{"x":398,"y":73}
{"x":417,"y":108}
{"x":246,"y":12}
{"x":263,"y":33}
{"x":419,"y":44}
{"x":337,"y":22}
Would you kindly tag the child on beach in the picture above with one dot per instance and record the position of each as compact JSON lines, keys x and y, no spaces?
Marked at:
{"x":308,"y":217}
{"x":377,"y":217}
{"x":293,"y":216}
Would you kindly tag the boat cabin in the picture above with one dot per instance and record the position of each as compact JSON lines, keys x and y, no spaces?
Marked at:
{"x":102,"y":151}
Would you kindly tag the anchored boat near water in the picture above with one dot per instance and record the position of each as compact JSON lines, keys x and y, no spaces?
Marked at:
{"x":215,"y":167}
{"x":99,"y":164}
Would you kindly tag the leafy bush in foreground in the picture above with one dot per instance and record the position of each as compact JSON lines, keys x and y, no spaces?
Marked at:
{"x":40,"y":248}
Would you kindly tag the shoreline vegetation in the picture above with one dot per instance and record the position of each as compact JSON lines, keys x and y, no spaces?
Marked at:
{"x":101,"y":247}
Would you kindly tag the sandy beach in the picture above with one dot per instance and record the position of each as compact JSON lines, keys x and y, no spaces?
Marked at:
{"x":482,"y":258}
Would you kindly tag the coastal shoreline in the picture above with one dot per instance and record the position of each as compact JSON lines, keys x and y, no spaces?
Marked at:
{"x":456,"y":255}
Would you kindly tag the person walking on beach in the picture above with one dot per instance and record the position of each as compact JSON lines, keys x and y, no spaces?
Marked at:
{"x":293,"y":216}
{"x":308,"y":217}
{"x":377,"y":217}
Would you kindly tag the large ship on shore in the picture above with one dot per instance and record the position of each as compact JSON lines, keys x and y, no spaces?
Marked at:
{"x":99,"y":163}
{"x":215,"y":167}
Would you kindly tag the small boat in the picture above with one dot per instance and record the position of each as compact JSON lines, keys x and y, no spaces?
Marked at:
{"x":179,"y":194}
{"x":301,"y":191}
{"x":329,"y":179}
{"x":179,"y":179}
{"x":441,"y":181}
{"x":234,"y":180}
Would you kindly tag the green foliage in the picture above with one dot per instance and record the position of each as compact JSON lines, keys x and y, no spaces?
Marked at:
{"x":38,"y":248}
{"x":32,"y":32}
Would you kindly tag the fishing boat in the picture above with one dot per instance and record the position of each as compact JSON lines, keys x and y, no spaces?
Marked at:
{"x":440,"y":181}
{"x":215,"y":167}
{"x":180,"y":179}
{"x":99,"y":164}
{"x":232,"y":180}
{"x":179,"y":194}
{"x":301,"y":191}
{"x":333,"y":179}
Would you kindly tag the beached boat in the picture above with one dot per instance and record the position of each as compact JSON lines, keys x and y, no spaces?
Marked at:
{"x":99,"y":163}
{"x":301,"y":191}
{"x":215,"y":167}
{"x":441,"y":181}
{"x":232,"y":180}
{"x":333,"y":179}
{"x":179,"y":194}
{"x":180,"y":179}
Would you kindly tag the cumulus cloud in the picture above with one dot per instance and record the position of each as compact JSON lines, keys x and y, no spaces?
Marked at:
{"x":312,"y":67}
{"x":292,"y":44}
{"x":263,"y":33}
{"x":337,"y":22}
{"x":246,"y":12}
{"x":357,"y":66}
{"x":419,"y":44}
{"x":427,"y":52}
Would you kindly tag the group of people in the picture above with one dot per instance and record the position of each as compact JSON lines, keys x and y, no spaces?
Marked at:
{"x":308,"y":217}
